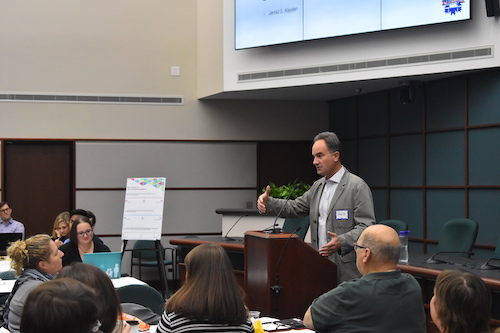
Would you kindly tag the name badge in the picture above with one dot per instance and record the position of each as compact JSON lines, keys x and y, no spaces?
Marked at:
{"x":342,"y":214}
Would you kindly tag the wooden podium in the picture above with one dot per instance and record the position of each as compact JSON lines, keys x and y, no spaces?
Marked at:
{"x":283,"y":275}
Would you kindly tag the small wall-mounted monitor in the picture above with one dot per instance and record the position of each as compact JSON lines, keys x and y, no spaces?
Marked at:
{"x":270,"y":22}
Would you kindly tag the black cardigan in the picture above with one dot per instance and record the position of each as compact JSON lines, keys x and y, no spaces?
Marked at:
{"x":71,"y":253}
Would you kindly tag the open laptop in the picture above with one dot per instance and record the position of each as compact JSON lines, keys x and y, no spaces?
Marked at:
{"x":109,"y":262}
{"x":6,"y":239}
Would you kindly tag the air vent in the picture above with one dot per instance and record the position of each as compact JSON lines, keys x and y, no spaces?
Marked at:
{"x":485,"y":52}
{"x":159,"y":100}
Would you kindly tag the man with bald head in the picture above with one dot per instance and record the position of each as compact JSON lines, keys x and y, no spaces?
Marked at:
{"x":382,"y":300}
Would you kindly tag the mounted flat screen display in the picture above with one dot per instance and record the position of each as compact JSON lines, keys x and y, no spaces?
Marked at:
{"x":270,"y":22}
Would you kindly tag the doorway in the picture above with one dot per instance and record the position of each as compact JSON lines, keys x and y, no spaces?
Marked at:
{"x":38,"y":182}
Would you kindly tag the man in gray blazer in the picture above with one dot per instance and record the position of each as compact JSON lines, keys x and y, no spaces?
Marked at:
{"x":339,"y":205}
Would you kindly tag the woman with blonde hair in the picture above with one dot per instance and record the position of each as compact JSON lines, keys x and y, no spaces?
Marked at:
{"x":60,"y":231}
{"x":461,"y":303}
{"x":35,"y":260}
{"x":210,"y":300}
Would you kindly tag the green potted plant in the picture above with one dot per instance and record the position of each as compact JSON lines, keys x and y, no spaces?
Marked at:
{"x":283,"y":191}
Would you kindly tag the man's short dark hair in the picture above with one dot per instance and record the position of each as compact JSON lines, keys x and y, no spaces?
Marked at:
{"x":332,"y":141}
{"x":77,"y":211}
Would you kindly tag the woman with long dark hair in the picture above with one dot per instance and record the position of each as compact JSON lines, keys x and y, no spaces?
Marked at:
{"x":210,"y":300}
{"x":461,"y":303}
{"x":82,"y":241}
{"x":107,"y":300}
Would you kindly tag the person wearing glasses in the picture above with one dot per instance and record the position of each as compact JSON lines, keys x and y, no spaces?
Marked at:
{"x":8,"y":224}
{"x":81,"y":241}
{"x":109,"y":309}
{"x":382,"y":300}
{"x":62,"y":305}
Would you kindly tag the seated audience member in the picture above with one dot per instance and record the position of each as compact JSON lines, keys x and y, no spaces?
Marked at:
{"x":8,"y":224}
{"x":81,"y":236}
{"x":109,"y":302}
{"x":35,"y":260}
{"x":461,"y":303}
{"x":62,"y":305}
{"x":93,"y":222}
{"x":75,"y":213}
{"x":382,"y":300}
{"x":210,"y":299}
{"x":60,"y":231}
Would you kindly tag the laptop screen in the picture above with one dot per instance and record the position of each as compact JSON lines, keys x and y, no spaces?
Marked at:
{"x":109,"y":262}
{"x":7,"y":238}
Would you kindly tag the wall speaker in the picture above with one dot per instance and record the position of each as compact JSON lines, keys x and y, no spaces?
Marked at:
{"x":406,"y":94}
{"x":492,"y":8}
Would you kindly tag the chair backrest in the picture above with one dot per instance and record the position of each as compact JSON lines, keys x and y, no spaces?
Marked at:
{"x":397,"y":225}
{"x":145,"y":249}
{"x":496,"y":254}
{"x":8,"y":275}
{"x":142,"y":294}
{"x":291,"y":224}
{"x":458,"y":235}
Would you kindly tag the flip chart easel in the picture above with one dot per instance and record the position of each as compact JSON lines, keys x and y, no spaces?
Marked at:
{"x":143,"y":217}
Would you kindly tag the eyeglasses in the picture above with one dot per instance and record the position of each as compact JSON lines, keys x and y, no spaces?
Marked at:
{"x":5,"y":210}
{"x":356,"y":246}
{"x":81,"y":234}
{"x":96,"y":326}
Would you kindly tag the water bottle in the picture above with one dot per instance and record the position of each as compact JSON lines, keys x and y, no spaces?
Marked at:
{"x":403,"y":239}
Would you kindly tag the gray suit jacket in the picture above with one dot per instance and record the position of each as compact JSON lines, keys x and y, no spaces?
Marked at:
{"x":351,"y":211}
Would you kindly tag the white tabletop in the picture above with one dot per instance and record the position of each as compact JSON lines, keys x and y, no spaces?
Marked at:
{"x":126,"y":281}
{"x":4,"y":264}
{"x":7,"y":285}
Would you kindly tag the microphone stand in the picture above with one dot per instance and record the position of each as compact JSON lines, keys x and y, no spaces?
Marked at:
{"x":276,"y":288}
{"x":227,"y":233}
{"x":434,"y":260}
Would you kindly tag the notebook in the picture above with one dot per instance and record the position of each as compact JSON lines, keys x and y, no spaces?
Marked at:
{"x":109,"y":262}
{"x":7,"y":238}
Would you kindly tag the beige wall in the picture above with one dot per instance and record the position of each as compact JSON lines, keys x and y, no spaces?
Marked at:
{"x":127,"y":47}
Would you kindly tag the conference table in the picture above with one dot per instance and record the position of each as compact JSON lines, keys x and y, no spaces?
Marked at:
{"x":260,"y":259}
{"x":7,"y":285}
{"x":426,"y":274}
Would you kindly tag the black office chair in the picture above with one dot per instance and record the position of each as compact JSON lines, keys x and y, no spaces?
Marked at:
{"x":494,"y":261}
{"x":144,"y":255}
{"x":397,"y":225}
{"x":457,"y":238}
{"x":142,"y":294}
{"x":8,"y":275}
{"x":291,"y":224}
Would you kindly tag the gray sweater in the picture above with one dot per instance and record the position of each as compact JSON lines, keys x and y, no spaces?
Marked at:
{"x":17,"y":303}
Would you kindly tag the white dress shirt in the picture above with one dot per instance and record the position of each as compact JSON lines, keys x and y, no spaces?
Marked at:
{"x":324,"y":205}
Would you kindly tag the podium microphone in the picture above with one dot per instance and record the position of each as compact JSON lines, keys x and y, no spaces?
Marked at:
{"x":277,"y":288}
{"x":235,"y":223}
{"x":275,"y":230}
